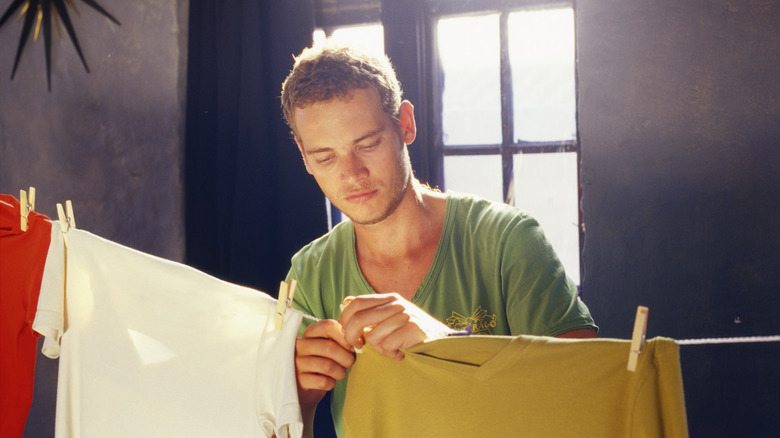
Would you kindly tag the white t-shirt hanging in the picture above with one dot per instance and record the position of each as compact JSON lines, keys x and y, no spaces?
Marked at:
{"x":154,"y":348}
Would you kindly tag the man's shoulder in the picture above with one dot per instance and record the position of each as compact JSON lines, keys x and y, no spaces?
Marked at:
{"x":477,"y":212}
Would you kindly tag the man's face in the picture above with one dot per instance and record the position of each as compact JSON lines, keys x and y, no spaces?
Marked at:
{"x":357,"y":154}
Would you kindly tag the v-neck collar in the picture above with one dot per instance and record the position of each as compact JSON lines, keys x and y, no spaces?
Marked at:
{"x":479,"y":357}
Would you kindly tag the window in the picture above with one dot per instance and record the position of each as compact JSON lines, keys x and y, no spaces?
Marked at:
{"x":498,"y":100}
{"x":504,"y":111}
{"x":367,"y":37}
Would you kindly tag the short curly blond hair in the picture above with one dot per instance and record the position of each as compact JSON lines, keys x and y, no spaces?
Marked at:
{"x":330,"y":70}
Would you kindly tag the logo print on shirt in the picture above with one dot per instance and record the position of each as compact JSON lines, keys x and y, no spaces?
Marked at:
{"x":481,"y":322}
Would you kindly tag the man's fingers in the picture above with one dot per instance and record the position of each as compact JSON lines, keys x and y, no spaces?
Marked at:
{"x":327,"y":329}
{"x":360,"y":303}
{"x":315,"y":372}
{"x":391,"y":328}
{"x":325,"y":349}
{"x":356,"y":324}
{"x":315,"y":382}
{"x":388,"y":322}
{"x":389,"y":337}
{"x":322,"y":357}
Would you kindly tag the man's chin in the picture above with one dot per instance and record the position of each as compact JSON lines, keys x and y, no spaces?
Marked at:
{"x":365,"y":220}
{"x":370,"y":216}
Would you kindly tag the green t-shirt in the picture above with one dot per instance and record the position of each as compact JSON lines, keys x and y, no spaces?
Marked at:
{"x":493,"y":268}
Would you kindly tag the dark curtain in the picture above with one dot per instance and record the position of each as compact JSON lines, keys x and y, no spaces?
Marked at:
{"x":249,"y":202}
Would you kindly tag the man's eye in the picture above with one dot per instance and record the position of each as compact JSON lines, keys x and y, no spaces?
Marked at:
{"x":371,"y":146}
{"x":324,"y":159}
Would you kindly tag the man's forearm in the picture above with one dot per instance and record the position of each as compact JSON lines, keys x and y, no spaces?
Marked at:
{"x":307,"y":412}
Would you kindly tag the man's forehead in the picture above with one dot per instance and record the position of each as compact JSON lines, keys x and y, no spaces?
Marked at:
{"x":359,"y":105}
{"x":331,"y":96}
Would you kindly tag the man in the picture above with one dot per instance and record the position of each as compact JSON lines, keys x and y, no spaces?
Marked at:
{"x":412,"y":263}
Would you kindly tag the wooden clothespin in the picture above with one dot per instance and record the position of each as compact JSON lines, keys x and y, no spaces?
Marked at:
{"x":638,"y":337}
{"x":67,"y":221}
{"x":26,"y":205}
{"x":284,"y":301}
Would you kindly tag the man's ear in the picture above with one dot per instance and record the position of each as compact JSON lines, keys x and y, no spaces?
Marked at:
{"x":406,"y":120}
{"x":303,"y":155}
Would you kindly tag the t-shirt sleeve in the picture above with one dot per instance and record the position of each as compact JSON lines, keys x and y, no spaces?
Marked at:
{"x":50,"y":316}
{"x":286,"y":419}
{"x":540,"y":298}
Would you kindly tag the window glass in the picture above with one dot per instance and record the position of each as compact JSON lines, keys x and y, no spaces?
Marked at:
{"x":476,"y":174}
{"x":469,"y":54}
{"x":546,"y":187}
{"x":541,"y":53}
{"x":367,"y":37}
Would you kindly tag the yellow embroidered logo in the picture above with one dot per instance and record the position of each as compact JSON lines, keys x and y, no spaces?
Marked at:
{"x":481,"y":322}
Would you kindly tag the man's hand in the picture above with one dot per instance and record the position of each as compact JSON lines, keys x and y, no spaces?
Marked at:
{"x":388,"y":322}
{"x":322,"y":357}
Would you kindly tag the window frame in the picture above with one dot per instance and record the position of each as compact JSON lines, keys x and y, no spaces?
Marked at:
{"x":436,"y":9}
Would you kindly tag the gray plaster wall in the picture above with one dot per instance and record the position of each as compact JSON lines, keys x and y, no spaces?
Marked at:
{"x":679,"y":116}
{"x":679,"y":120}
{"x":110,"y":140}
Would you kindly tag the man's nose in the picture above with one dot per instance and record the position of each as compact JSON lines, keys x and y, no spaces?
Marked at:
{"x":353,"y":168}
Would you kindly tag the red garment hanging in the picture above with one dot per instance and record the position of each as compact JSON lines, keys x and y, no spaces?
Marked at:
{"x":22,"y":258}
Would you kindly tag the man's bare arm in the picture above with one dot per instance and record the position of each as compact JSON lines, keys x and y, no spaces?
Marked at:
{"x":585,"y":333}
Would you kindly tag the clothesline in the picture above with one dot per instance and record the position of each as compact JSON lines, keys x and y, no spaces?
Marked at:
{"x":310,"y":318}
{"x":735,"y":340}
{"x":700,"y":341}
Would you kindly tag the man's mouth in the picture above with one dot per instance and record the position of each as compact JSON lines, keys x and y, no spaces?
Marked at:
{"x":361,"y":195}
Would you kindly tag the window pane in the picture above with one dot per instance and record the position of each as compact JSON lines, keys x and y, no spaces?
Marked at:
{"x":541,"y":52}
{"x":477,"y":174}
{"x":546,"y":187}
{"x":368,"y":37}
{"x":470,"y":62}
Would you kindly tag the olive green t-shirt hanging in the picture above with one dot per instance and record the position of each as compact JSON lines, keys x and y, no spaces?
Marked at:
{"x":524,"y":386}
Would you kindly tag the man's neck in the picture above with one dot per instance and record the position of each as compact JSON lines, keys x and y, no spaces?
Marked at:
{"x":396,"y":254}
{"x":416,"y":224}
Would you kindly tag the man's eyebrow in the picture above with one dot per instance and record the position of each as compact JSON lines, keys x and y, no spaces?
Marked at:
{"x":356,"y":141}
{"x":317,"y":150}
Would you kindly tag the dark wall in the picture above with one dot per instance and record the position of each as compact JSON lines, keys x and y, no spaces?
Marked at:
{"x":109,"y":140}
{"x":679,"y":116}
